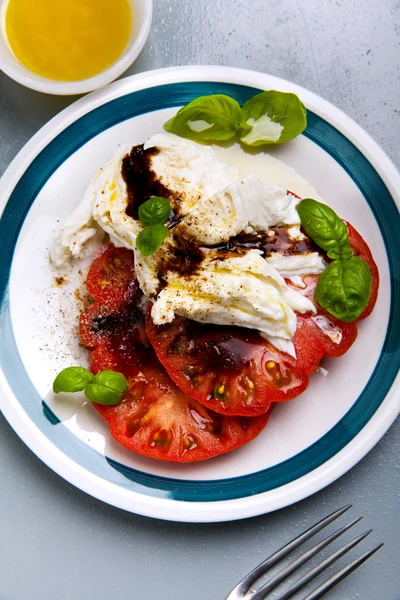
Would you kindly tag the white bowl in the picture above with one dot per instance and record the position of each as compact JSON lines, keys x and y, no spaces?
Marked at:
{"x":142,"y":11}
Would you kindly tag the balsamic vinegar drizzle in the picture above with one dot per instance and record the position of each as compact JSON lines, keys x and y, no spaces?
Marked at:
{"x":141,"y":181}
{"x":276,"y":240}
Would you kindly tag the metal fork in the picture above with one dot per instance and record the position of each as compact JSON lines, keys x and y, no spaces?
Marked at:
{"x":244,"y":591}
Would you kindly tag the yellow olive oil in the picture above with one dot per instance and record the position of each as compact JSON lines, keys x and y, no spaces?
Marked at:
{"x":68,"y":40}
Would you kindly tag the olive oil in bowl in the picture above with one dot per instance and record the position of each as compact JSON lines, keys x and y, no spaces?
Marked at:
{"x":68,"y":40}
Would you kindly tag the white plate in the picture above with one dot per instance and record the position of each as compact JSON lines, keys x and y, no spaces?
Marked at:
{"x":310,"y":441}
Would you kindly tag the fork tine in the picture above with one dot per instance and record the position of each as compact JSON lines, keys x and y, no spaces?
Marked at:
{"x":330,"y":583}
{"x":244,"y":585}
{"x":298,"y":585}
{"x":282,"y":575}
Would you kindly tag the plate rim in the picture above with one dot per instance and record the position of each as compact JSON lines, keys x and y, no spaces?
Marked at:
{"x":205,"y":511}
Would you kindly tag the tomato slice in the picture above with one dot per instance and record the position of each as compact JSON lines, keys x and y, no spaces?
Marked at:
{"x":93,"y":323}
{"x":156,"y":418}
{"x":124,"y":353}
{"x":362,"y":250}
{"x":228,"y":369}
{"x":100,"y":322}
{"x":216,"y":386}
{"x":308,"y":345}
{"x":312,"y":342}
{"x":111,"y":277}
{"x":320,"y":332}
{"x":160,"y":421}
{"x":313,"y":330}
{"x":336,"y":336}
{"x":112,"y":282}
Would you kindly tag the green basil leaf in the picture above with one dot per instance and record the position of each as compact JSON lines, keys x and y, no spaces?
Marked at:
{"x":325,"y":228}
{"x":102,"y":395}
{"x":344,"y":288}
{"x":112,"y":380}
{"x":207,"y":119}
{"x":154,"y":211}
{"x":72,"y":379}
{"x":340,"y":253}
{"x":151,"y":238}
{"x":108,"y":388}
{"x":272,"y":118}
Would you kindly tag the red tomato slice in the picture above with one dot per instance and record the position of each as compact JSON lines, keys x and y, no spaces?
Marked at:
{"x":126,"y":350}
{"x":312,"y":343}
{"x":308,"y":345}
{"x":160,"y":421}
{"x":93,"y":323}
{"x":124,"y":354}
{"x":228,"y":369}
{"x":343,"y":335}
{"x":319,"y":332}
{"x":309,"y":337}
{"x":111,"y":276}
{"x":156,"y":418}
{"x":362,"y":250}
{"x":102,"y":321}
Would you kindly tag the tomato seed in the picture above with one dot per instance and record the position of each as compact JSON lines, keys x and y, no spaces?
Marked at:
{"x":219,"y":392}
{"x":162,"y":438}
{"x":132,"y":427}
{"x":189,"y":443}
{"x":249,"y":383}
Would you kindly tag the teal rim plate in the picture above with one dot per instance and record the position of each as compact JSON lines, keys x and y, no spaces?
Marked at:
{"x":309,"y":442}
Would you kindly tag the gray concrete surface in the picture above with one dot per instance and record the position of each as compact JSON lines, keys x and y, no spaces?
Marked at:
{"x":56,"y":543}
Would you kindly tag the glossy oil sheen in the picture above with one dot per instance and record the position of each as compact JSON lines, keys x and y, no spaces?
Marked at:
{"x":68,"y":40}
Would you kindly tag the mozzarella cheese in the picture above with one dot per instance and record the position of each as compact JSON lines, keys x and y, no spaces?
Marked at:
{"x":296,"y":265}
{"x":214,"y":204}
{"x":246,"y":205}
{"x":329,"y":328}
{"x":190,"y":170}
{"x":102,"y":210}
{"x":238,"y":290}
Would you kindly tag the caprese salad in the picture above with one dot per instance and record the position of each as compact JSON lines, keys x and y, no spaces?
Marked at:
{"x":214,"y":295}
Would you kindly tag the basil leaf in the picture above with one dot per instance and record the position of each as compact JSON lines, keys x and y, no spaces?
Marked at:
{"x":154,"y":211}
{"x":108,"y":388}
{"x":151,"y":238}
{"x":207,"y":119}
{"x":325,"y":228}
{"x":272,"y":118}
{"x":72,"y":379}
{"x":102,"y":395}
{"x":343,"y":254}
{"x":112,"y":380}
{"x":344,"y":288}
